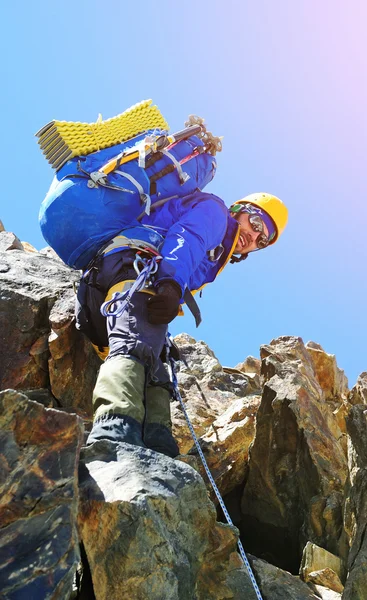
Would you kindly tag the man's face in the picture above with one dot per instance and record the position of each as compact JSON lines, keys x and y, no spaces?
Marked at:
{"x":247,"y":238}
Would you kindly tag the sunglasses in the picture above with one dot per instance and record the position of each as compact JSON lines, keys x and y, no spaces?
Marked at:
{"x":257,"y":225}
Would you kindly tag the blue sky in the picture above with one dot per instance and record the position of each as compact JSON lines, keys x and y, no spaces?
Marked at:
{"x":284,"y":83}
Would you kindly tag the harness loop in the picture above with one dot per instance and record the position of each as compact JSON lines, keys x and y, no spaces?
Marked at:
{"x":124,"y":298}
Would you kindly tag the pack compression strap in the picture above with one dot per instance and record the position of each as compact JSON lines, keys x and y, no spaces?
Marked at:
{"x":178,"y":397}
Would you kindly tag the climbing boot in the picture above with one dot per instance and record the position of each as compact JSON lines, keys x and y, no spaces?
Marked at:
{"x":116,"y":428}
{"x":158,"y":426}
{"x":118,"y":401}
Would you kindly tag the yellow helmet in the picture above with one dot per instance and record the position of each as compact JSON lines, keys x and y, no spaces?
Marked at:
{"x":272,"y":206}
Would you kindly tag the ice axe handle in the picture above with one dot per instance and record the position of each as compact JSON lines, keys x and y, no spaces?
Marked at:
{"x":165,"y":140}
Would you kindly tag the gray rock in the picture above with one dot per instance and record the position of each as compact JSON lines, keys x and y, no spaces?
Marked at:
{"x":355,"y":511}
{"x":36,"y":296}
{"x":149,"y":530}
{"x":297,"y":469}
{"x":9,"y":241}
{"x":276,"y":584}
{"x":39,"y":549}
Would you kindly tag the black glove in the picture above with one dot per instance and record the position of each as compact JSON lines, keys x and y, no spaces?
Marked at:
{"x":163,"y":307}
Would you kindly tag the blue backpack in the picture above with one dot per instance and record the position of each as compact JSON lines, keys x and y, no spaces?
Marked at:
{"x":81,"y":212}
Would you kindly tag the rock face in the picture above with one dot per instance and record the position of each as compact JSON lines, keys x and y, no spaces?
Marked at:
{"x":284,"y":437}
{"x":358,"y":394}
{"x":355,"y":513}
{"x":39,"y":346}
{"x":205,"y":388}
{"x":297,"y":468}
{"x":149,"y":530}
{"x":276,"y":584}
{"x":38,"y":498}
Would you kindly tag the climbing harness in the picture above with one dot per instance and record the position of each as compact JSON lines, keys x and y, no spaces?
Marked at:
{"x":178,"y":397}
{"x":149,"y":268}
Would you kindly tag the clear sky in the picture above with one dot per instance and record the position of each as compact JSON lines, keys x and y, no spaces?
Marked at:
{"x":283,"y":81}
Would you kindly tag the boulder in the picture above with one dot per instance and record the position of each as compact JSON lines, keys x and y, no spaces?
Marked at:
{"x":39,"y":549}
{"x":226,"y":443}
{"x":332,"y":380}
{"x":358,"y":394}
{"x":297,"y":468}
{"x":326,"y":578}
{"x":9,"y":241}
{"x":276,"y":584}
{"x":206,"y":389}
{"x":73,"y":363}
{"x":315,"y":558}
{"x":28,"y":247}
{"x":37,"y":299}
{"x":250,"y":365}
{"x":149,"y":530}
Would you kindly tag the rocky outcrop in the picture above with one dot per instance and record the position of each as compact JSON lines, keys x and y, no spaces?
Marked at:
{"x":149,"y":530}
{"x":40,"y":347}
{"x":355,"y":511}
{"x":226,"y":443}
{"x":205,"y":388}
{"x":39,"y":549}
{"x":284,"y":438}
{"x":297,"y":468}
{"x":358,"y":394}
{"x":321,"y":567}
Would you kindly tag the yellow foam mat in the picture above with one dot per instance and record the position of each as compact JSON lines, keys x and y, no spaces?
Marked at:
{"x":62,"y":140}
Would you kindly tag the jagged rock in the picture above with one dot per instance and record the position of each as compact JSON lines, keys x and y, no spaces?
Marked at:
{"x":43,"y":396}
{"x":206,"y":389}
{"x":355,"y":511}
{"x":38,"y":500}
{"x":315,"y":558}
{"x":358,"y":394}
{"x":50,"y":253}
{"x":297,"y":468}
{"x":250,"y":365}
{"x":2,"y":228}
{"x":332,"y":380}
{"x":35,"y":288}
{"x":226,"y":443}
{"x":321,"y":567}
{"x":149,"y":530}
{"x":70,"y":352}
{"x":327,"y":578}
{"x":28,"y":247}
{"x":9,"y":241}
{"x":253,"y":383}
{"x":276,"y":584}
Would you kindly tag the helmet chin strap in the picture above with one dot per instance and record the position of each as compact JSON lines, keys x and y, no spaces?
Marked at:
{"x":237,"y":259}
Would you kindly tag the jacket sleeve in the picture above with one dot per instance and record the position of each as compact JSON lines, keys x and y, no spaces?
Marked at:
{"x":201,"y":227}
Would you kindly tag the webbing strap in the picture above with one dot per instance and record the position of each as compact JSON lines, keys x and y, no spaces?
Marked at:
{"x":183,"y":176}
{"x":143,"y":196}
{"x":178,"y":397}
{"x":193,"y":307}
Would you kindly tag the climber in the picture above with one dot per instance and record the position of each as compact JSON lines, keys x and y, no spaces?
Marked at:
{"x":192,"y":239}
{"x":126,"y":207}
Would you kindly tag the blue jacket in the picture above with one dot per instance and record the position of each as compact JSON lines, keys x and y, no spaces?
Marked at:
{"x":192,"y":226}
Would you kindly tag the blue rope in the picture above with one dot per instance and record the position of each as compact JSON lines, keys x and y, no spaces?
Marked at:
{"x":210,"y":476}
